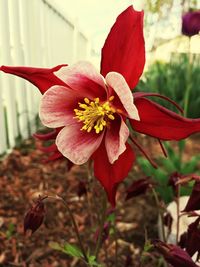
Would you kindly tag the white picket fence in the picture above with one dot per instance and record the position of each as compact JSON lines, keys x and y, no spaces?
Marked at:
{"x":32,"y":33}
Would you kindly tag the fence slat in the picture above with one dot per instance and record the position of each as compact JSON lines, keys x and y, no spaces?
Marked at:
{"x":3,"y":142}
{"x":18,"y":58}
{"x":7,"y":84}
{"x":32,"y":33}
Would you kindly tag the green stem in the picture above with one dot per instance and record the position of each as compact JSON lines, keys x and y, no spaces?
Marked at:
{"x":188,"y":80}
{"x":75,"y":227}
{"x":101,"y":227}
{"x":159,"y":212}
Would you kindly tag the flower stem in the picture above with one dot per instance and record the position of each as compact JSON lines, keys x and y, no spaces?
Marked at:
{"x":159,"y":212}
{"x":188,"y":79}
{"x":75,"y":227}
{"x":101,"y":227}
{"x":116,"y":245}
{"x":178,"y":211}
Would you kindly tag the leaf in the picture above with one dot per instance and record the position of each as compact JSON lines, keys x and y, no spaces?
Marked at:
{"x":148,"y":246}
{"x":92,"y":261}
{"x":55,"y":245}
{"x":111,"y":217}
{"x":67,"y":248}
{"x":10,"y":231}
{"x":72,"y":250}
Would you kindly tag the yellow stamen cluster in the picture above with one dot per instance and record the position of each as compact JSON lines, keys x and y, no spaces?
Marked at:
{"x":94,"y":114}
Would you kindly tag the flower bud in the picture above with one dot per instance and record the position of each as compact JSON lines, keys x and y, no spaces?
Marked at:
{"x":191,"y":23}
{"x":35,"y":216}
{"x":174,"y":255}
{"x":138,"y":187}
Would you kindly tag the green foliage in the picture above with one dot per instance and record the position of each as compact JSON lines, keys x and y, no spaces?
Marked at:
{"x":68,"y":249}
{"x":92,"y":261}
{"x":171,"y":80}
{"x":111,"y":218}
{"x":10,"y":231}
{"x":173,"y":163}
{"x":74,"y":252}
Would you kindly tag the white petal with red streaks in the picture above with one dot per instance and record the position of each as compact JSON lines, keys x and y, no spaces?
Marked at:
{"x":77,"y":145}
{"x":117,"y":82}
{"x":83,"y":77}
{"x":115,"y":140}
{"x":57,"y":106}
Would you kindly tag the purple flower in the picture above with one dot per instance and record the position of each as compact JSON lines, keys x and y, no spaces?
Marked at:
{"x":191,"y":23}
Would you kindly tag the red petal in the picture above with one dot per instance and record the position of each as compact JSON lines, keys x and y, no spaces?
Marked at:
{"x":110,"y":175}
{"x":162,"y":123}
{"x":43,"y":78}
{"x":124,"y":50}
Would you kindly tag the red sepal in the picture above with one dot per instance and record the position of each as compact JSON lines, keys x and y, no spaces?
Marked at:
{"x":43,"y":78}
{"x":110,"y":175}
{"x":162,"y":123}
{"x":124,"y":50}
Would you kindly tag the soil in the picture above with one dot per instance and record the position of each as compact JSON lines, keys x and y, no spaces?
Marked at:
{"x":24,"y":176}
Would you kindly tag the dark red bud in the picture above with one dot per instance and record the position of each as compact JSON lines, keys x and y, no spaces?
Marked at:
{"x":174,"y":255}
{"x":35,"y":216}
{"x":138,"y":187}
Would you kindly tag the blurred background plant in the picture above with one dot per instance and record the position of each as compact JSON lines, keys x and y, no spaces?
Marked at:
{"x":170,"y":79}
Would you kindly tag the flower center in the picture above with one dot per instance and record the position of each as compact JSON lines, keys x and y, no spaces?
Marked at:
{"x":94,"y":114}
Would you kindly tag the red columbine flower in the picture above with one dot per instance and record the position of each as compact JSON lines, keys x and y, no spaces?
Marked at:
{"x":96,"y":110}
{"x":191,"y":23}
{"x":91,"y":110}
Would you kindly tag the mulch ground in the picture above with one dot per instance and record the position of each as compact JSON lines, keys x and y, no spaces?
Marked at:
{"x":24,"y":176}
